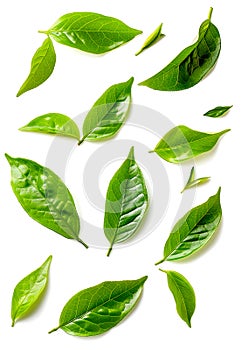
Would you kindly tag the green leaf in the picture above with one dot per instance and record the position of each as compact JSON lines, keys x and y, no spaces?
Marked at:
{"x":29,"y":290}
{"x":183,"y":294}
{"x":191,"y":182}
{"x":193,"y":230}
{"x":182,"y":143}
{"x":192,"y":64}
{"x":108,"y":113}
{"x":91,"y":32}
{"x":53,"y":123}
{"x":152,"y":39}
{"x":126,"y":202}
{"x":218,"y":112}
{"x":42,"y":66}
{"x":97,"y":309}
{"x":44,"y":197}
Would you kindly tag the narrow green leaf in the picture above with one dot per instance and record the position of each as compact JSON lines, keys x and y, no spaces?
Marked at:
{"x":193,"y":230}
{"x":97,"y":309}
{"x":42,"y":66}
{"x":91,"y":32}
{"x":182,"y":143}
{"x":191,"y":182}
{"x":126,"y":202}
{"x":29,"y":290}
{"x":218,"y":111}
{"x":152,"y":39}
{"x":108,"y":113}
{"x":44,"y":197}
{"x":183,"y":294}
{"x":192,"y":64}
{"x":53,"y":123}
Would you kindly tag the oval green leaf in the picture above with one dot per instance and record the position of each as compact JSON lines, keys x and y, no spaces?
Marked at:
{"x":126,"y":202}
{"x":182,"y":143}
{"x":53,"y":123}
{"x":42,"y":66}
{"x":108,"y":113}
{"x":29,"y":290}
{"x":217,"y":112}
{"x":91,"y":32}
{"x":192,"y":64}
{"x":152,"y":39}
{"x":193,"y":230}
{"x":97,"y":309}
{"x":183,"y":294}
{"x":192,"y":182}
{"x":44,"y":197}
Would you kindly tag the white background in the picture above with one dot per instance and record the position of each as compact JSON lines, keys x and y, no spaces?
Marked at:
{"x":78,"y":80}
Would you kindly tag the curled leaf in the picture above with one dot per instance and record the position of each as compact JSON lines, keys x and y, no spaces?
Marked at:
{"x":217,"y":112}
{"x":192,"y":182}
{"x":152,"y":39}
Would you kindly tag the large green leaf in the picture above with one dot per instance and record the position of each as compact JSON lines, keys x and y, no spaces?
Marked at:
{"x":29,"y":290}
{"x":183,"y":294}
{"x":192,"y":182}
{"x":44,"y":197}
{"x":53,"y":123}
{"x":193,"y":230}
{"x":192,"y":64}
{"x":97,"y":309}
{"x":126,"y":202}
{"x":182,"y":143}
{"x":42,"y":66}
{"x":217,"y":112}
{"x":91,"y":32}
{"x":152,"y":39}
{"x":108,"y":113}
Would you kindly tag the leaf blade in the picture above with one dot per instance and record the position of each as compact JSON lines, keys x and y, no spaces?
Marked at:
{"x":108,"y":113}
{"x":152,"y":39}
{"x":192,"y":64}
{"x":44,"y":197}
{"x":183,"y":294}
{"x":42,"y":66}
{"x":29,"y":290}
{"x":182,"y":143}
{"x":126,"y":202}
{"x":217,"y":112}
{"x":53,"y":123}
{"x":97,"y":309}
{"x":91,"y":32}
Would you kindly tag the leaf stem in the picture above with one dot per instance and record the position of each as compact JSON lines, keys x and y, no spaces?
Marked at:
{"x":81,"y":141}
{"x":13,"y":323}
{"x":53,"y":330}
{"x":43,"y":32}
{"x":210,"y":13}
{"x":109,"y":251}
{"x":160,"y":262}
{"x":82,"y":242}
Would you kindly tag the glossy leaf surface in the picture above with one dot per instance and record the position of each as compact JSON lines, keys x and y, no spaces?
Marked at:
{"x":91,"y":32}
{"x":192,"y":64}
{"x":193,"y":230}
{"x":97,"y":309}
{"x":29,"y":290}
{"x":183,"y":294}
{"x":44,"y":197}
{"x":53,"y":123}
{"x":182,"y":143}
{"x":192,"y":182}
{"x":126,"y":202}
{"x":108,"y":113}
{"x":152,"y":39}
{"x":217,"y":112}
{"x":42,"y":66}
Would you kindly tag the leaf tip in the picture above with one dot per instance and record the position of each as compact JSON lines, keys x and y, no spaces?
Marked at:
{"x":9,"y":159}
{"x":131,"y":155}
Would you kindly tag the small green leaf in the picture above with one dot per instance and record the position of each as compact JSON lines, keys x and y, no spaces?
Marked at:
{"x":29,"y":290}
{"x":218,"y":112}
{"x":191,"y":182}
{"x":91,"y":32}
{"x":42,"y":66}
{"x":192,"y":64}
{"x":53,"y":123}
{"x":183,"y":294}
{"x":152,"y":39}
{"x":182,"y":143}
{"x":108,"y":113}
{"x":44,"y":197}
{"x":193,"y":230}
{"x":97,"y":309}
{"x":126,"y":202}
